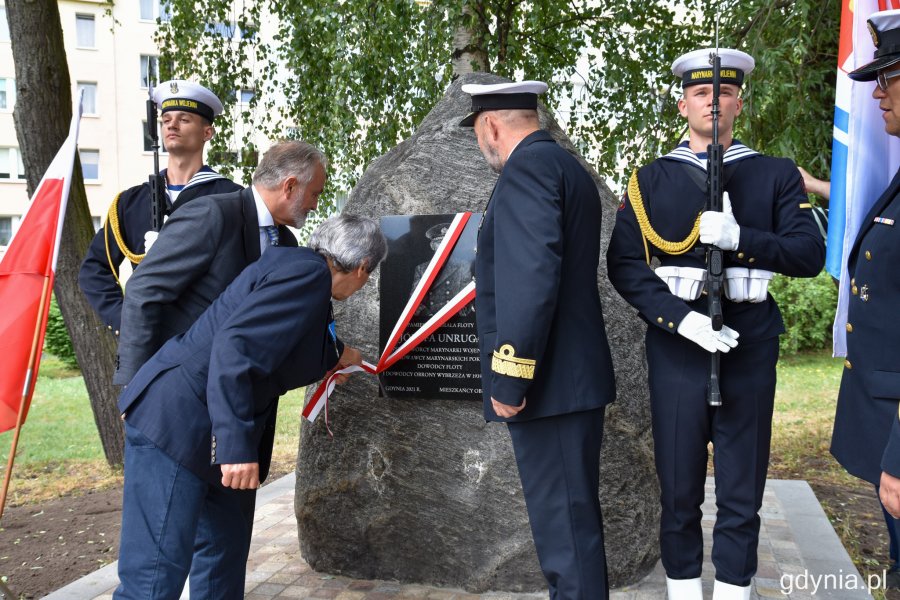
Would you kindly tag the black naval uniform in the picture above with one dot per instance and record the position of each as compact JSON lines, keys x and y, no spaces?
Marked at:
{"x":98,"y":275}
{"x":866,"y":438}
{"x":542,"y":337}
{"x":777,"y":233}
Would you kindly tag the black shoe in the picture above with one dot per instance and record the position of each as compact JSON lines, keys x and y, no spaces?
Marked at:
{"x":892,"y":580}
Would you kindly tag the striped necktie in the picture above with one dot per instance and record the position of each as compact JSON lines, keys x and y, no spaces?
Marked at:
{"x":271,"y":233}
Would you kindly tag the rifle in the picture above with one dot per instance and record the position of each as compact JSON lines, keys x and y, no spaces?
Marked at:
{"x":158,"y":203}
{"x":715,"y":279}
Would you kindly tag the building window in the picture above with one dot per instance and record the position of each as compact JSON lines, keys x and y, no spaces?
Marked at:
{"x":246,"y":95}
{"x":148,"y":143}
{"x":149,"y":70}
{"x":7,"y":93}
{"x":4,"y":25}
{"x":11,"y":166}
{"x":5,"y":230}
{"x":151,"y":9}
{"x":89,"y":100}
{"x":84,"y":31}
{"x":90,"y":164}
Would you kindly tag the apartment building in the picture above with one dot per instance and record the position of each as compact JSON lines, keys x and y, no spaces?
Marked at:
{"x":110,"y":62}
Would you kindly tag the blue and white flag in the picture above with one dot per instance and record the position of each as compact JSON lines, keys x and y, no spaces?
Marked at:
{"x":864,"y":157}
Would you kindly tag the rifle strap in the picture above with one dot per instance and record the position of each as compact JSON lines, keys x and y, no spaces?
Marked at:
{"x":699,"y":177}
{"x":112,"y":223}
{"x":648,"y":233}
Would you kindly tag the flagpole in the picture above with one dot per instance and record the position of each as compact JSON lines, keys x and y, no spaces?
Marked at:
{"x":26,"y":393}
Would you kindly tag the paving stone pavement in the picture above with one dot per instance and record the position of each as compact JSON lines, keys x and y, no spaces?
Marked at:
{"x":800,"y":558}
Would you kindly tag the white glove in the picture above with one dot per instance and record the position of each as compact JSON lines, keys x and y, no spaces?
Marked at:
{"x":719,"y":228}
{"x":150,"y":239}
{"x":698,"y":328}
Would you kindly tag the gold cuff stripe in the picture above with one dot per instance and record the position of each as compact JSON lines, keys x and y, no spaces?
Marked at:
{"x":637,"y":203}
{"x":505,"y":362}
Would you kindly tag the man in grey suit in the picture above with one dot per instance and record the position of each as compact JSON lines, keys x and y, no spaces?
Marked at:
{"x":201,"y":249}
{"x":207,"y":245}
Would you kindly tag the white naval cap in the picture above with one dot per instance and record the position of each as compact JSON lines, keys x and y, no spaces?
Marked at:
{"x":884,"y":26}
{"x":501,"y":96}
{"x":187,"y":96}
{"x":695,"y":67}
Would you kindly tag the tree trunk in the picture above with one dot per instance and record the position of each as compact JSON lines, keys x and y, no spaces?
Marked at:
{"x":42,"y":115}
{"x":469,"y":54}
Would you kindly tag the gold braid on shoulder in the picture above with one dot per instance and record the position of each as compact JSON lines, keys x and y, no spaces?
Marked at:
{"x":112,"y":222}
{"x":647,"y":231}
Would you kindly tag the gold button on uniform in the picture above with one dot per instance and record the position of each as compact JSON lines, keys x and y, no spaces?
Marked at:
{"x":740,"y":255}
{"x":868,"y":255}
{"x":849,"y":328}
{"x":752,"y":260}
{"x":855,"y":290}
{"x":659,"y":319}
{"x":847,"y":364}
{"x":671,"y":325}
{"x":853,"y":281}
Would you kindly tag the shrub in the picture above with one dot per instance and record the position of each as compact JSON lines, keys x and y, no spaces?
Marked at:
{"x":56,"y":340}
{"x":807,"y":305}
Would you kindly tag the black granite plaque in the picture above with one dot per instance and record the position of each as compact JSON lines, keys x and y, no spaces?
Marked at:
{"x":446,"y":364}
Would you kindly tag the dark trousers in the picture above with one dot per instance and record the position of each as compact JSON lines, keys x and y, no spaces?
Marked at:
{"x":740,"y":431}
{"x":559,"y":466}
{"x":893,"y":529}
{"x":175,"y":523}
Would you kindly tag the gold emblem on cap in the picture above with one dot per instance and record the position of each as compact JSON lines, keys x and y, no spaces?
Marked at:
{"x":173,"y":88}
{"x":874,"y":33}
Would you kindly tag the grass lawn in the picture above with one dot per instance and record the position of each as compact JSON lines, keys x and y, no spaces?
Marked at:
{"x":805,"y":400}
{"x":59,"y":450}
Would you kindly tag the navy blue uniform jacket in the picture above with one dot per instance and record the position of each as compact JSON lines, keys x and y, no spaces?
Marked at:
{"x":206,"y":397}
{"x":778,"y":233}
{"x":540,"y":324}
{"x":866,"y":439}
{"x":201,"y":249}
{"x":96,"y":278}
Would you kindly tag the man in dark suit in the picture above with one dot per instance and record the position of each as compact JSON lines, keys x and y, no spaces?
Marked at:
{"x":196,"y":412}
{"x":201,"y":249}
{"x":545,"y":361}
{"x":866,"y":438}
{"x":766,"y":227}
{"x":187,"y":113}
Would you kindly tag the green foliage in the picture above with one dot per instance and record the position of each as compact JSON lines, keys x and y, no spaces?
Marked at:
{"x":355,"y":77}
{"x":789,"y":97}
{"x":807,"y":305}
{"x":57,"y":341}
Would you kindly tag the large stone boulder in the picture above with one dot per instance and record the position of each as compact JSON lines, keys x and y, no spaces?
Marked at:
{"x":424,"y":490}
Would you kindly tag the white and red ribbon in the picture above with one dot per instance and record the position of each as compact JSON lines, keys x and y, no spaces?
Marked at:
{"x":390,"y":356}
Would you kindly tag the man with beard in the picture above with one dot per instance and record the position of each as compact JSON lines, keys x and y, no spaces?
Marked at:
{"x":204,"y":246}
{"x":187,"y":112}
{"x":200,"y":250}
{"x":866,"y":438}
{"x":545,"y":361}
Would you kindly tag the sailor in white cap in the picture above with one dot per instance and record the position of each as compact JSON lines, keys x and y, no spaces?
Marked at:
{"x":187,"y":112}
{"x":767,"y":227}
{"x":866,"y":437}
{"x":545,"y":360}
